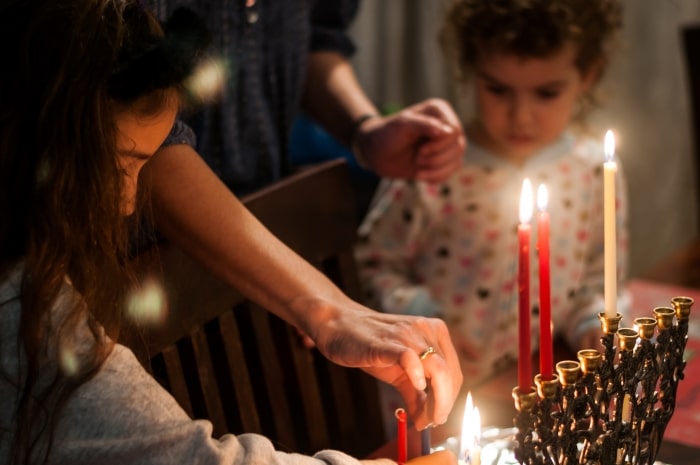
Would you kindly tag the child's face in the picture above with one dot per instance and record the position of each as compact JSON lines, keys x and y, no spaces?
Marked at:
{"x":525,"y":104}
{"x":138,"y":139}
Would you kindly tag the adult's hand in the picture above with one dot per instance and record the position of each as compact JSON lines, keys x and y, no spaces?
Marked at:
{"x":424,"y":141}
{"x":388,"y":347}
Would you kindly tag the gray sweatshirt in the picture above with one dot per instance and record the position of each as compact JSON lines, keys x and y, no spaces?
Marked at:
{"x":122,"y":415}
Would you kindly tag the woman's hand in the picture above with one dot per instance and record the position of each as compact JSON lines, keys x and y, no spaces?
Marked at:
{"x":389,"y":347}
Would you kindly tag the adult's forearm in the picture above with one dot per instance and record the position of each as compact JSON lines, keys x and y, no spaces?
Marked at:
{"x":199,"y":214}
{"x":333,"y":96}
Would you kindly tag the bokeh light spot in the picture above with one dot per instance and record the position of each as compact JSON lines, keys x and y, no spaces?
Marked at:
{"x":147,"y":304}
{"x":42,"y":172}
{"x":207,"y":81}
{"x":68,"y":361}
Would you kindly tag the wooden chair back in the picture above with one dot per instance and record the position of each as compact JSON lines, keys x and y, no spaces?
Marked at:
{"x":224,"y":358}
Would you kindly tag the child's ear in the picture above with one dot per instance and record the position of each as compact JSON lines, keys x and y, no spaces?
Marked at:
{"x":591,"y":76}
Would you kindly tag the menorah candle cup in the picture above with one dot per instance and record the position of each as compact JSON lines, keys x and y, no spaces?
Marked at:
{"x":546,"y":388}
{"x":646,"y":327}
{"x":682,"y":306}
{"x":609,"y":324}
{"x":589,"y":360}
{"x":664,"y":317}
{"x":569,"y":372}
{"x":627,"y":338}
{"x":524,"y":402}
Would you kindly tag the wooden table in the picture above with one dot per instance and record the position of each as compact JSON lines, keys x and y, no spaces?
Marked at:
{"x":494,"y":399}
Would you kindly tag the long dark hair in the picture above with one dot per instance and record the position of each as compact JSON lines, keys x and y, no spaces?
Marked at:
{"x":69,"y":66}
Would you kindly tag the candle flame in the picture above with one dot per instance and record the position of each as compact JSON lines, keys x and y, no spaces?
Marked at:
{"x":609,"y":146}
{"x":471,"y":428}
{"x":542,"y":197}
{"x":526,"y":201}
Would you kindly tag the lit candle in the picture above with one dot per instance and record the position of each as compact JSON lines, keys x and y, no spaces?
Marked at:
{"x":524,"y":369}
{"x":546,"y":348}
{"x":609,"y":218}
{"x":401,"y":439}
{"x":470,"y":452}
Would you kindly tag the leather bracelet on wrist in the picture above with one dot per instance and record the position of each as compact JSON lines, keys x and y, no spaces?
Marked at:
{"x":354,"y":132}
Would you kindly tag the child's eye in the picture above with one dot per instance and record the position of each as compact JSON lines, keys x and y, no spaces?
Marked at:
{"x":497,"y":90}
{"x":548,"y":94}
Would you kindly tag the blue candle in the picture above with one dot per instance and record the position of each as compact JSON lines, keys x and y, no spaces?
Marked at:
{"x":425,"y":441}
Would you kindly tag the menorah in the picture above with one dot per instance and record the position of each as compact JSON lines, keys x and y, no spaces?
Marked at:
{"x":599,"y":410}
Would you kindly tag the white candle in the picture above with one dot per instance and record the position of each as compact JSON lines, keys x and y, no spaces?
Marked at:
{"x":470,"y":452}
{"x":609,"y":218}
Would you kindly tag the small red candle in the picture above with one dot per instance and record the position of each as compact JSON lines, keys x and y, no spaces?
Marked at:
{"x":524,"y":353}
{"x":546,"y":357}
{"x":401,"y":440}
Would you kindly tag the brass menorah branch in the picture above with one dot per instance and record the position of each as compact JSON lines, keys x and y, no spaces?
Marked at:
{"x":604,"y":409}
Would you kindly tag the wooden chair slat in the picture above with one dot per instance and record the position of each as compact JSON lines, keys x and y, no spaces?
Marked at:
{"x":240,"y":377}
{"x":276,"y":380}
{"x":308,"y":385}
{"x":176,"y":378}
{"x":207,"y":382}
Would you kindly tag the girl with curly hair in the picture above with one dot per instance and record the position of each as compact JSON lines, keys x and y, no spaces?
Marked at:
{"x":451,"y":250}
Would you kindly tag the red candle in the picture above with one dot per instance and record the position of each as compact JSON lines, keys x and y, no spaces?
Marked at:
{"x":546,"y":357}
{"x":401,"y":440}
{"x":524,"y":354}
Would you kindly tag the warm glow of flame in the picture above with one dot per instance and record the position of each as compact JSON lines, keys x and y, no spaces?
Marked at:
{"x":471,"y":428}
{"x":609,"y":146}
{"x":526,"y":201}
{"x":542,"y":197}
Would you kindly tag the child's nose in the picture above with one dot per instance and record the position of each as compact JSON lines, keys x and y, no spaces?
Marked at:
{"x":520,"y":111}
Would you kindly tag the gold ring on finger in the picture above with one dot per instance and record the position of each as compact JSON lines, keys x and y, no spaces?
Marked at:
{"x":427,"y":353}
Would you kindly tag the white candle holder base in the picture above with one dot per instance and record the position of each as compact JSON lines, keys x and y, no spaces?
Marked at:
{"x":497,"y":447}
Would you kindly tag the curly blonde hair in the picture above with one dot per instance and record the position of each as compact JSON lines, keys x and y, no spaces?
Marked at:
{"x":530,"y":29}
